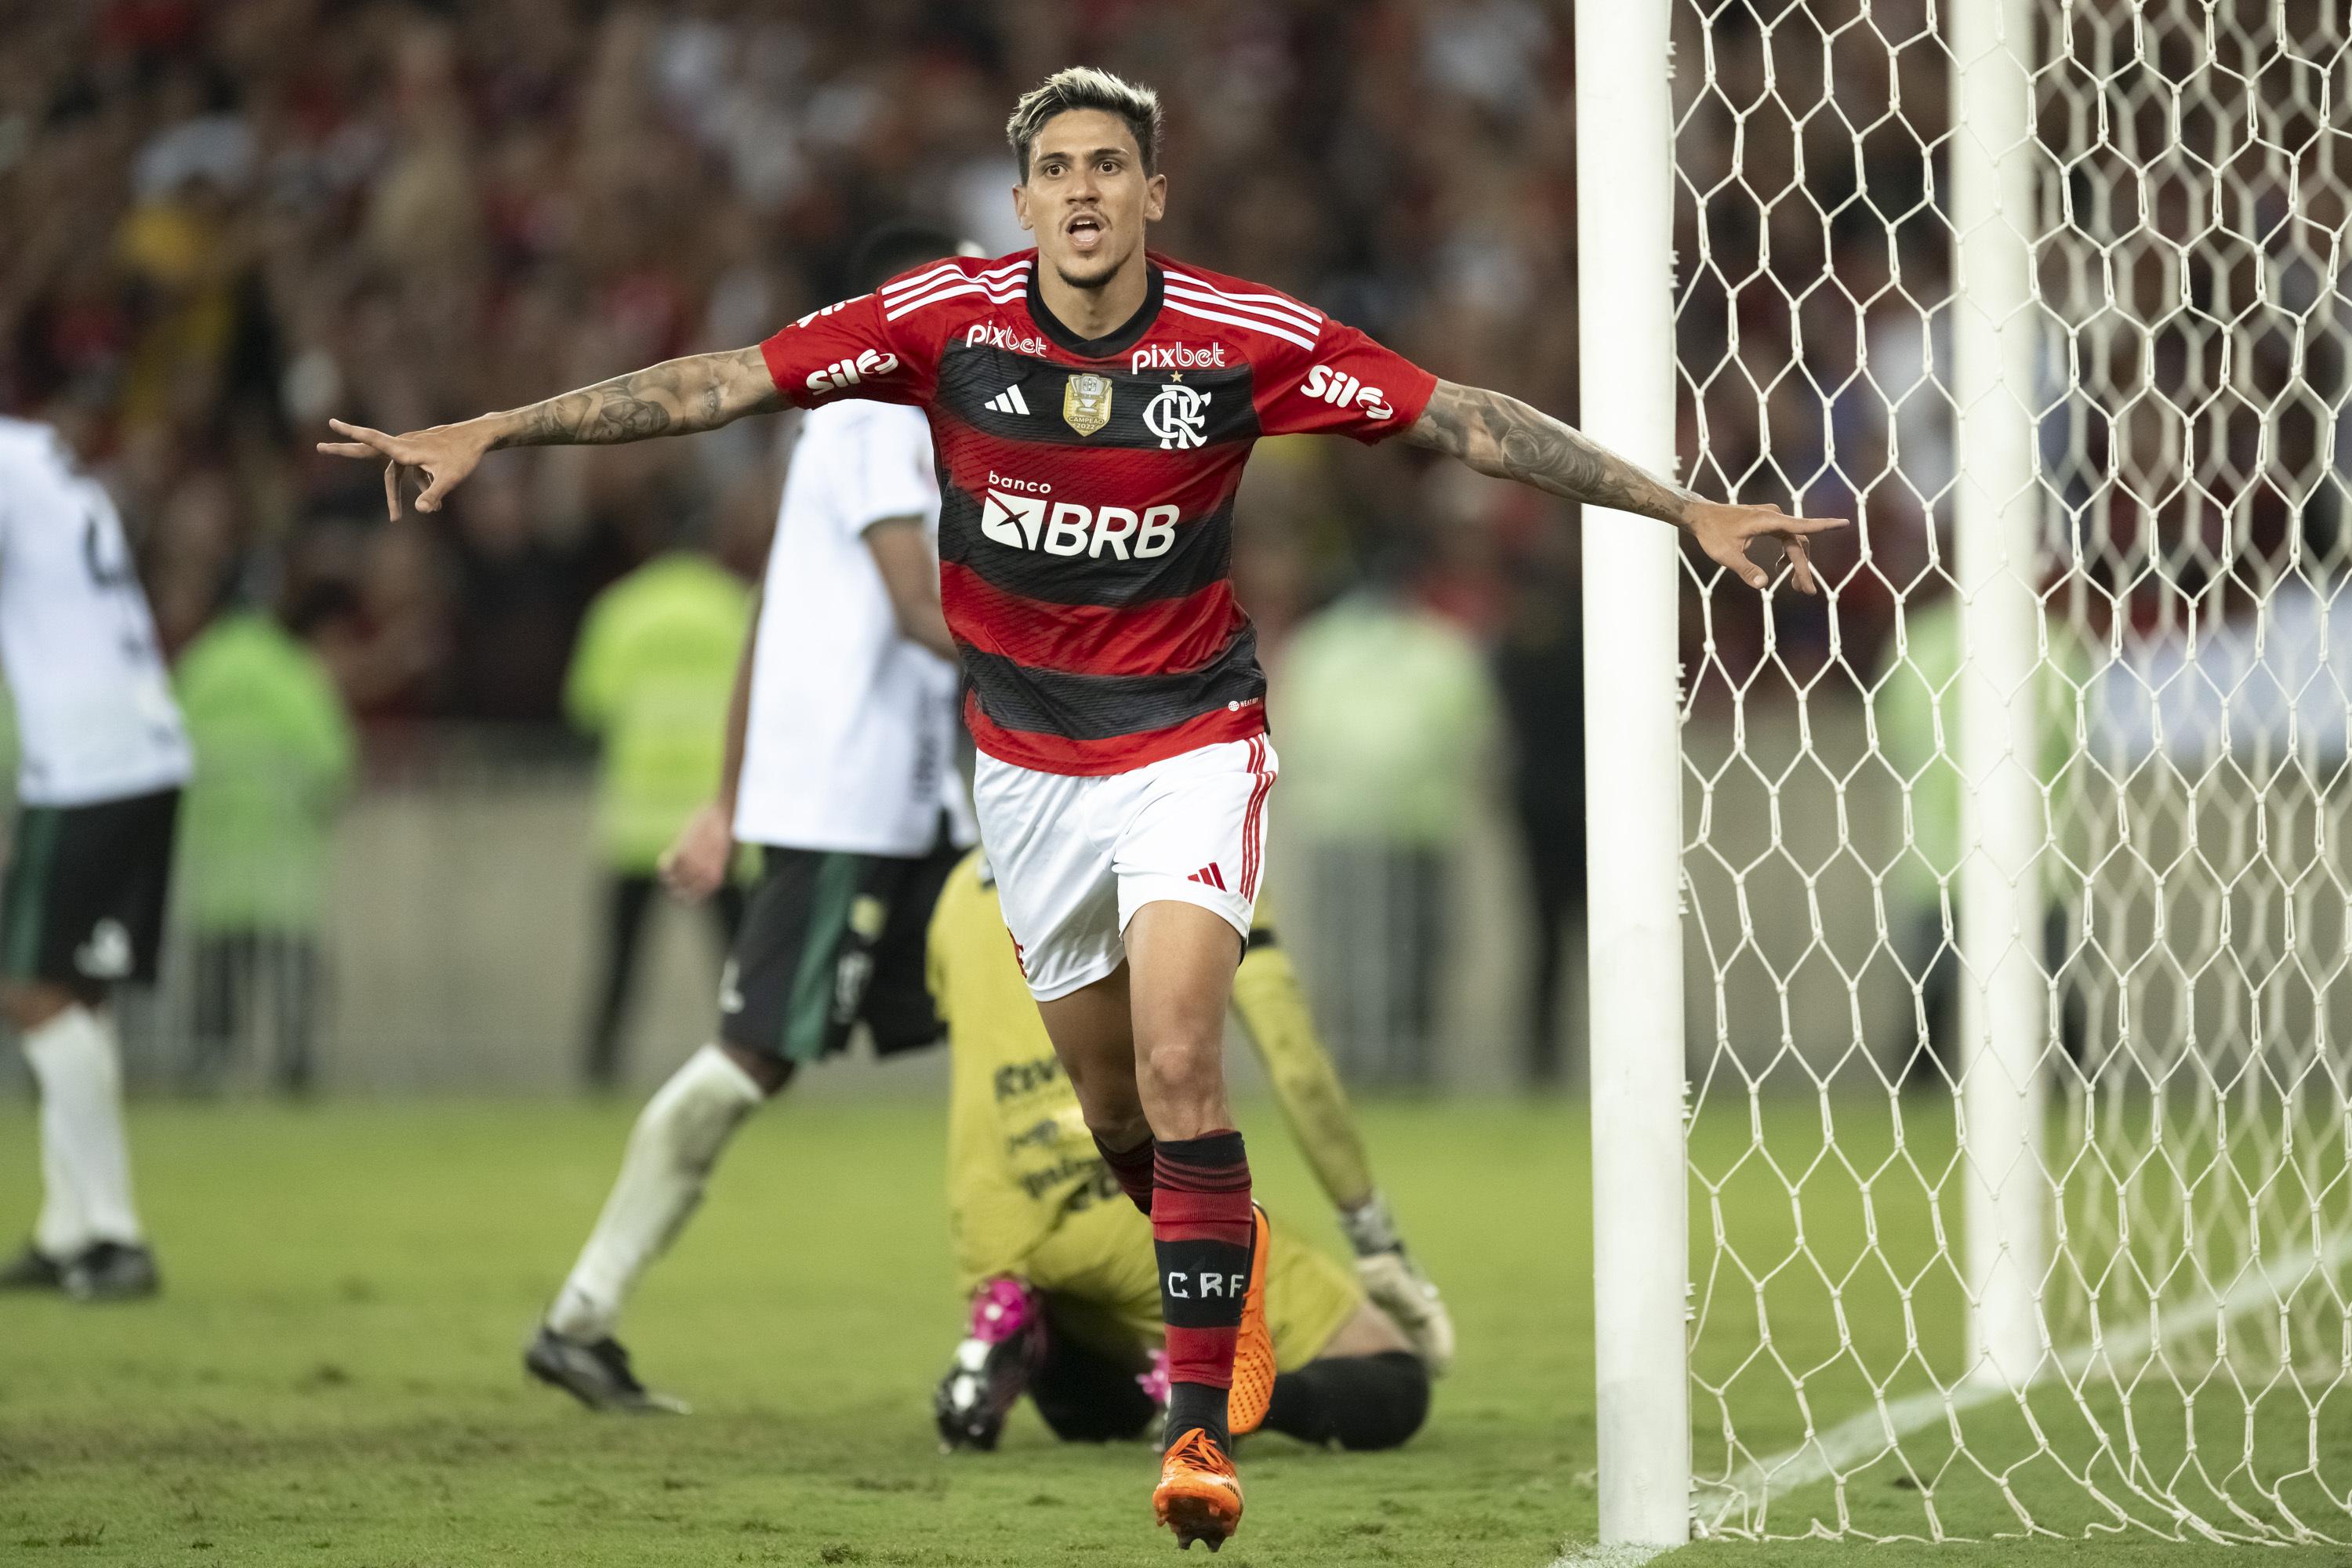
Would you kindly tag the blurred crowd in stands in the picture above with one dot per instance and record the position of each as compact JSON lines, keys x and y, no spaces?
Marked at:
{"x":226,"y":220}
{"x":230,"y":219}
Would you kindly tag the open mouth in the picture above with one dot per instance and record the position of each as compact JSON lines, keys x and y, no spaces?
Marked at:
{"x":1085,"y":232}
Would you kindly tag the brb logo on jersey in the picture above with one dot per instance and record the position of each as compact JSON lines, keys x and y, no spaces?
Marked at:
{"x":1176,"y":417}
{"x":1023,"y":515}
{"x":848,"y":372}
{"x":1344,"y":390}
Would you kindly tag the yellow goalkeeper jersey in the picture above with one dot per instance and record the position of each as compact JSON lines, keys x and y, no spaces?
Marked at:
{"x":1028,"y":1195}
{"x":1018,"y":1155}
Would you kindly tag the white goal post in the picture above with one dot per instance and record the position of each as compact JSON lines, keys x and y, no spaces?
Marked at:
{"x":1969,"y":949}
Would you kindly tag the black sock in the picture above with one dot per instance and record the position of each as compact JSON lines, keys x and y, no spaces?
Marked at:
{"x":1191,"y":1404}
{"x":1355,"y":1401}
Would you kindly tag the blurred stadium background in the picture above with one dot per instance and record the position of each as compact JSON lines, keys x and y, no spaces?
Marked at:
{"x":230,"y":220}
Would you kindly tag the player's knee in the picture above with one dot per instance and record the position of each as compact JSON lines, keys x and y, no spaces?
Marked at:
{"x":1392,"y":1407}
{"x":1358,"y":1402}
{"x":769,"y":1071}
{"x":690,"y":1118}
{"x":1108,"y":1101}
{"x":1183,"y":1077}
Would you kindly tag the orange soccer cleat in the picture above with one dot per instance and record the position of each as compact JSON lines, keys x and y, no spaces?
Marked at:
{"x":1253,"y":1389}
{"x":1198,"y":1496}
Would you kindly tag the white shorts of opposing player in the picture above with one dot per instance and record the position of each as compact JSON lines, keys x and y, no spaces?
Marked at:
{"x":1076,"y":856}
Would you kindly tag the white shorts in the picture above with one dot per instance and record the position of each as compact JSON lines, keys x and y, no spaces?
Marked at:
{"x":1076,"y":856}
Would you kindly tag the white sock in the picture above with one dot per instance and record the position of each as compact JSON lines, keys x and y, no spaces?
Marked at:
{"x":85,"y":1159}
{"x":671,"y":1151}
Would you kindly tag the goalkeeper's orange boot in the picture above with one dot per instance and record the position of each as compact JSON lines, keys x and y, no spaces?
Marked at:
{"x":1198,"y":1496}
{"x":1253,"y":1388}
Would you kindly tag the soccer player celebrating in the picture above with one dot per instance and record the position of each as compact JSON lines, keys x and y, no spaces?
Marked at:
{"x":840,"y":764}
{"x":104,"y":756}
{"x":1091,"y":405}
{"x":1064,"y":1298}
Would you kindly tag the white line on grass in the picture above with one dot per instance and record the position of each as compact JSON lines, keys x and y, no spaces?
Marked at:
{"x":1609,"y":1556}
{"x":1875,"y":1431}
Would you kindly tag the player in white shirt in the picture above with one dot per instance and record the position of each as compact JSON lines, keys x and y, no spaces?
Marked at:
{"x":841,"y":768}
{"x":103,"y":756}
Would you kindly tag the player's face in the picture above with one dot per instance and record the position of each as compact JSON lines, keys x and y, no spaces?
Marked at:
{"x":1087,"y":197}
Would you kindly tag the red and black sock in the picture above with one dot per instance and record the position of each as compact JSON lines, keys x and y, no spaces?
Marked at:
{"x":1201,"y":1229}
{"x":1133,"y":1169}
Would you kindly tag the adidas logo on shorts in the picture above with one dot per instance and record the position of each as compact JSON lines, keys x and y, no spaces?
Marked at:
{"x":1210,"y":876}
{"x":1008,"y":400}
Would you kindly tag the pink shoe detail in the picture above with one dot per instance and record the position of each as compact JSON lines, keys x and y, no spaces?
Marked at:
{"x":1003,"y":1309}
{"x":1155,"y":1382}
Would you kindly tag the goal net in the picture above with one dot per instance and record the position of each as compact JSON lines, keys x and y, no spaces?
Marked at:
{"x":2016,"y":883}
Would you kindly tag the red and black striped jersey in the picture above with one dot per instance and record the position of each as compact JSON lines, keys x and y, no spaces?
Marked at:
{"x":1087,"y":486}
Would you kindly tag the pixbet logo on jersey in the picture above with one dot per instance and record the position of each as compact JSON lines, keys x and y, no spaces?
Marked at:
{"x":1023,"y":515}
{"x":1341,"y":390}
{"x":1177,"y":356}
{"x":846,"y":372}
{"x":980,"y":334}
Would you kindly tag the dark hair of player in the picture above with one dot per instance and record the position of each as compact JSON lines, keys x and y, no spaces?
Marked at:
{"x":1084,"y":87}
{"x":894,"y":248}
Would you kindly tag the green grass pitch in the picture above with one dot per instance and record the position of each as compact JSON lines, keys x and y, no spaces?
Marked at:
{"x":331,"y":1377}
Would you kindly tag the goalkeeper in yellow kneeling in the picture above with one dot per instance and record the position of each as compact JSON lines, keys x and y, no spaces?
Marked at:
{"x":1060,"y":1266}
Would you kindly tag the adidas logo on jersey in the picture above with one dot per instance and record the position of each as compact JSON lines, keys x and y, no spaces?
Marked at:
{"x":1035,"y":521}
{"x":1008,"y":400}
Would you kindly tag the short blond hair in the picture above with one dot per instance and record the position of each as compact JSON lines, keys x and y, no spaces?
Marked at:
{"x":1086,"y":86}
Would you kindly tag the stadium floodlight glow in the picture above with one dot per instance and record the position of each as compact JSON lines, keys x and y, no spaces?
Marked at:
{"x":2055,"y":298}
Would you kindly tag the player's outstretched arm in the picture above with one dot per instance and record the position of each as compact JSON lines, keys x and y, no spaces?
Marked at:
{"x":675,"y":397}
{"x":1503,"y":437}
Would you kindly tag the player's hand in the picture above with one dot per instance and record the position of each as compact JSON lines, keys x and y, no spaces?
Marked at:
{"x":444,"y":455}
{"x":695,"y":863}
{"x":1398,"y":1286}
{"x":1724,"y":532}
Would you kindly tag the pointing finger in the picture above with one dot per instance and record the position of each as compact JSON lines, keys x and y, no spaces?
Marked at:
{"x":1808,"y":524}
{"x":376,"y":438}
{"x":348,"y":450}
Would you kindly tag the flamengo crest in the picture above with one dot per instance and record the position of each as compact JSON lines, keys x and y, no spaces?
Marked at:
{"x":1085,"y":402}
{"x":1176,"y":417}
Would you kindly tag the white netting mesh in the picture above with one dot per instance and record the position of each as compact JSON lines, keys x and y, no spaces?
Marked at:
{"x":2193,"y":329}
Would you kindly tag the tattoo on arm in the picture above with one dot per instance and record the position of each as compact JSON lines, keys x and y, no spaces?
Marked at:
{"x":675,"y":397}
{"x":1503,"y":437}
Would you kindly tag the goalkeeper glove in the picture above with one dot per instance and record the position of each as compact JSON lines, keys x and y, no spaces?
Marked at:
{"x":1396,"y":1284}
